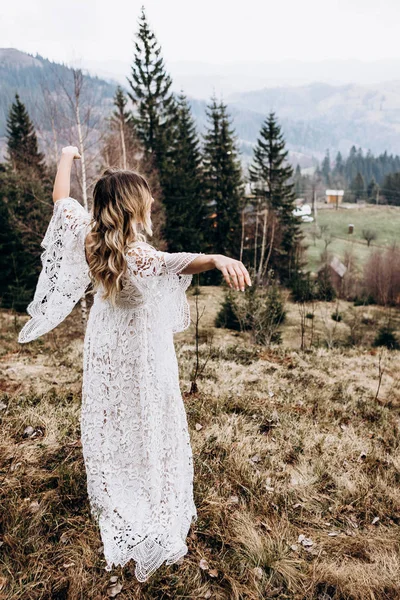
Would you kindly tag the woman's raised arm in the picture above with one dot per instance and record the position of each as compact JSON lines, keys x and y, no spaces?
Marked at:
{"x":62,"y":182}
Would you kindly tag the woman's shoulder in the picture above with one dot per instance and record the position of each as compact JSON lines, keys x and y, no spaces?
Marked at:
{"x":139,"y":244}
{"x":145,"y":259}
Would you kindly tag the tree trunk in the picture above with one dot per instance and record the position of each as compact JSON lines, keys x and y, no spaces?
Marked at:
{"x":242,"y":238}
{"x":121,"y":127}
{"x":255,"y":241}
{"x":270,"y":245}
{"x":263,"y":244}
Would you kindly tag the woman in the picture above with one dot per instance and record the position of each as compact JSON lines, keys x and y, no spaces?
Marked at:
{"x":134,"y":432}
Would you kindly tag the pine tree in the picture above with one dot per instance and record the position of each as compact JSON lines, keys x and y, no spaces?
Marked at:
{"x":351,"y":165}
{"x":25,"y":211}
{"x":25,"y":207}
{"x":391,"y":187}
{"x":155,"y":116}
{"x":298,"y":181}
{"x":222,"y":179}
{"x":326,"y":168}
{"x":22,"y":145}
{"x":272,"y":175}
{"x":339,"y":164}
{"x":372,"y":190}
{"x":183,"y":199}
{"x":358,"y":186}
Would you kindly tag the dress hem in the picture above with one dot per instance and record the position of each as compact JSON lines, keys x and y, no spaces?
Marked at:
{"x":142,"y":572}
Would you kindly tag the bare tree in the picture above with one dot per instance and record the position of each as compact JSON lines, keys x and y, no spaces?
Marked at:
{"x":79,"y":114}
{"x":382,"y":276}
{"x":327,"y":239}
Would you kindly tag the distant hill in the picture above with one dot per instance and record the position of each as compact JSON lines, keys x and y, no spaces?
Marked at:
{"x":314,"y":117}
{"x":29,"y":75}
{"x":319,"y":116}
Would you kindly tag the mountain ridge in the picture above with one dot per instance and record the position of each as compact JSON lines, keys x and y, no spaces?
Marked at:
{"x":314,"y":116}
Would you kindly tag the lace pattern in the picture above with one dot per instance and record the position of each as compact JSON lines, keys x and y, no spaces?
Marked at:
{"x":134,"y":431}
{"x":64,"y":276}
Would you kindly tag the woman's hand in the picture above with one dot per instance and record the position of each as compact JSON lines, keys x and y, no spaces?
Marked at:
{"x":71,"y":150}
{"x":232,"y":269}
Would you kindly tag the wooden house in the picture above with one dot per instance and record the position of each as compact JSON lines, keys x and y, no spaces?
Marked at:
{"x":334,"y":196}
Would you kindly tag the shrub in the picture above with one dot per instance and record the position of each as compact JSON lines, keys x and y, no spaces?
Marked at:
{"x":274,"y":306}
{"x":302,"y":288}
{"x":271,"y":316}
{"x":227,"y":315}
{"x":363,"y":300}
{"x":325,"y":290}
{"x":336,"y":317}
{"x":259,"y":310}
{"x":386,"y":337}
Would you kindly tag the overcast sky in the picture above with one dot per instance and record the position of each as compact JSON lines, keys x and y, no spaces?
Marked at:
{"x":208,"y":30}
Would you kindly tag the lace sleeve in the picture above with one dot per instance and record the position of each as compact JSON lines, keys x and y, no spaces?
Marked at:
{"x":151,"y":262}
{"x":174,"y":263}
{"x":65,"y":273}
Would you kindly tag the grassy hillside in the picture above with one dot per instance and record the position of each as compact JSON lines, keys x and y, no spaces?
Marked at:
{"x":384,"y":220}
{"x":296,"y":458}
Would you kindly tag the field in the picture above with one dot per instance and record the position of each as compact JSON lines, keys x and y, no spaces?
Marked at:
{"x":296,"y":457}
{"x":384,"y":220}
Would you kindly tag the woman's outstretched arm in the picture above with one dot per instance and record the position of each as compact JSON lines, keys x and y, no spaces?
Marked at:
{"x":62,"y":182}
{"x":233,"y":270}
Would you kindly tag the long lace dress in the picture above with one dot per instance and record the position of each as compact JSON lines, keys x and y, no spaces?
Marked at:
{"x":134,"y":430}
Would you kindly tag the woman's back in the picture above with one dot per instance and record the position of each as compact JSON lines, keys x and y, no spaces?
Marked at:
{"x":153,"y":284}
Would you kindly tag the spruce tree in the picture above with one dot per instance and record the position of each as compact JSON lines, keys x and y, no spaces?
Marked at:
{"x":326,"y":168}
{"x":183,"y":199}
{"x":25,"y":211}
{"x":339,"y":164}
{"x":223,"y":181}
{"x":272,"y":176}
{"x":210,"y":169}
{"x":25,"y":207}
{"x":155,"y":105}
{"x":351,"y":169}
{"x":22,"y":145}
{"x":373,"y":191}
{"x":391,"y":189}
{"x":298,"y":181}
{"x":358,"y":186}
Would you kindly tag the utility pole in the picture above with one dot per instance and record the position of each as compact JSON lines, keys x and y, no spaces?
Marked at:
{"x":314,"y":201}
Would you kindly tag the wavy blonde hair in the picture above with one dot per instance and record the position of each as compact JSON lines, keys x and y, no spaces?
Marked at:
{"x":121,"y":200}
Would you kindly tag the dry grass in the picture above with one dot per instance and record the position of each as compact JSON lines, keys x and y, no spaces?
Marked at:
{"x":291,"y":443}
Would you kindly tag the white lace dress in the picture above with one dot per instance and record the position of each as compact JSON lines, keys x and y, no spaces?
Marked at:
{"x":134,"y":430}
